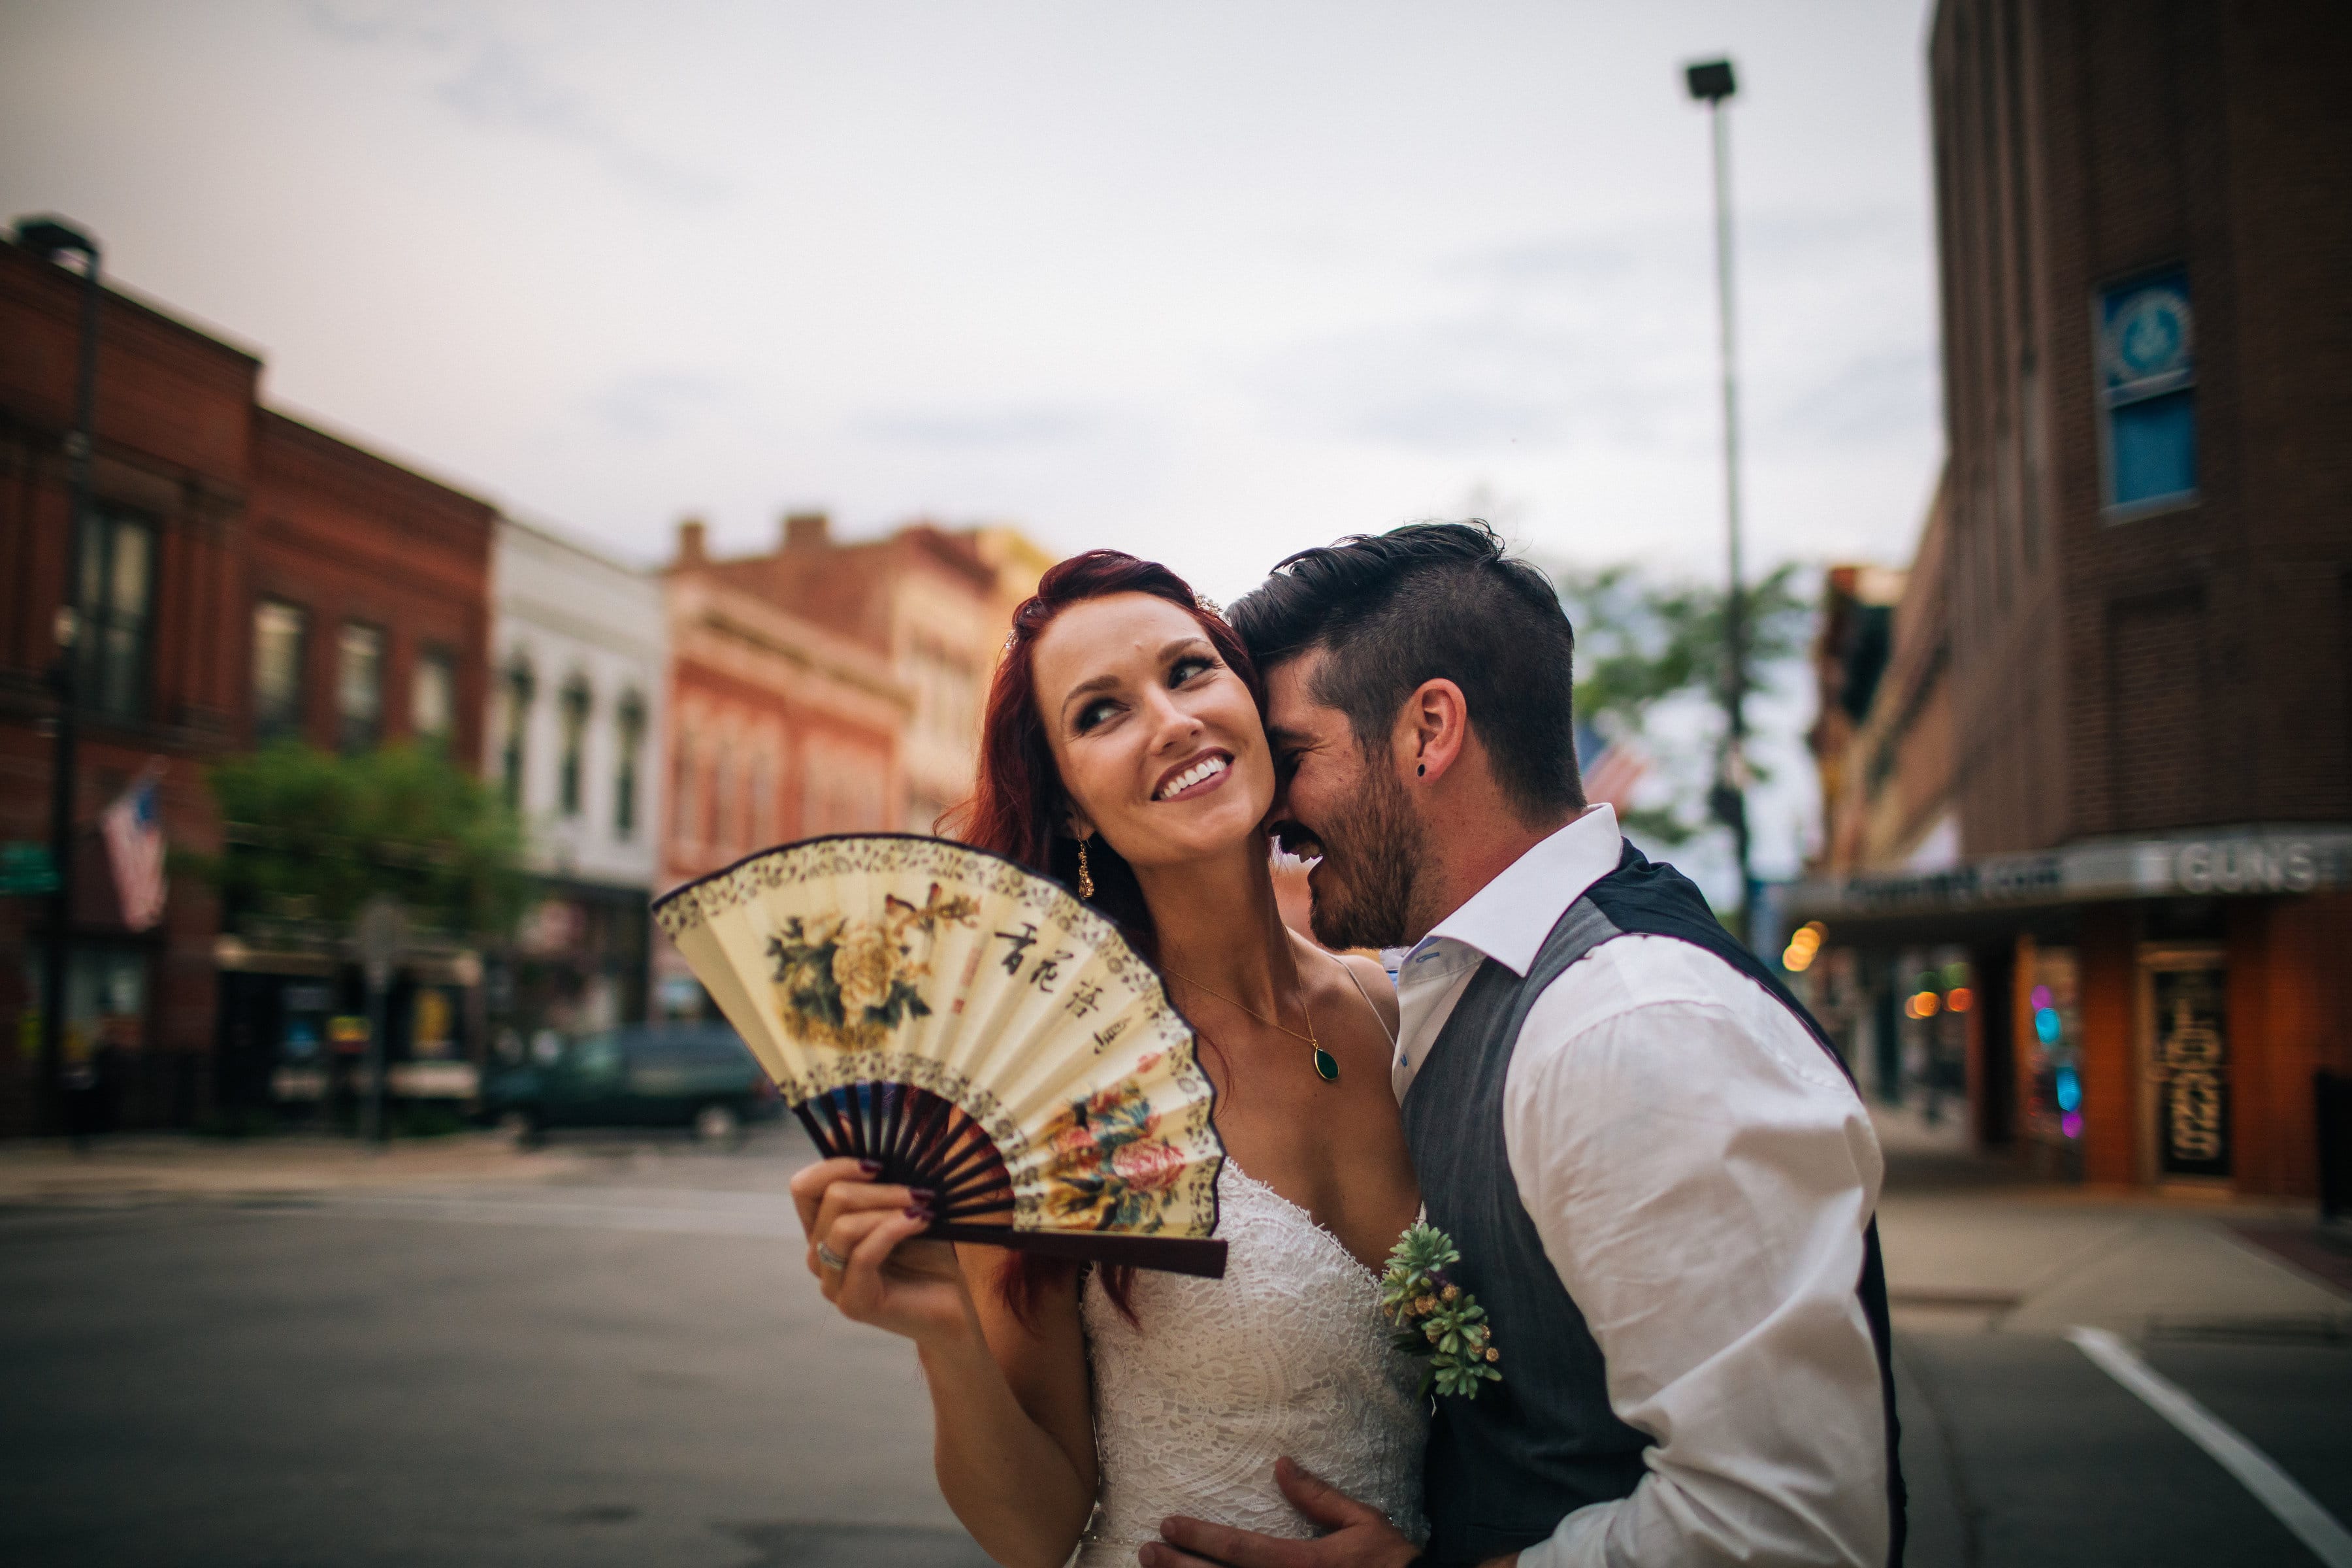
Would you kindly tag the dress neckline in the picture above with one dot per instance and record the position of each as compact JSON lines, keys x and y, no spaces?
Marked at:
{"x":1232,"y":1167}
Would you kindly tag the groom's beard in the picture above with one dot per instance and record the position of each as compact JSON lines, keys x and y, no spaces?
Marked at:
{"x":1363,"y":891}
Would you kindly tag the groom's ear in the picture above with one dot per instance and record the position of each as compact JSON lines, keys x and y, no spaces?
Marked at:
{"x":1433,"y":731}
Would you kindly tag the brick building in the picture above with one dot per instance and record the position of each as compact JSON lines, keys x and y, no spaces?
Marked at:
{"x":246,"y":576}
{"x":824,"y":687}
{"x":1884,"y":764}
{"x":161,"y":679}
{"x":364,"y":621}
{"x":2137,"y":586}
{"x":368,"y":593}
{"x":779,"y":729}
{"x":935,"y":604}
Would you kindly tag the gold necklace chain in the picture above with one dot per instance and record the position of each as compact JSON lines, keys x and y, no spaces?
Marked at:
{"x":1327,"y":1066}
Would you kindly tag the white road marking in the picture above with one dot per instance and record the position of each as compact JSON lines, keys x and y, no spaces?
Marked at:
{"x":2272,"y":1488}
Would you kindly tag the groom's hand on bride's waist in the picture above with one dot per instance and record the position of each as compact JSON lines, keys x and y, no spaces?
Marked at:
{"x":1360,"y":1535}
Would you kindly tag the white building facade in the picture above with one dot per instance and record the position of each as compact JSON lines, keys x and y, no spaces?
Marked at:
{"x":578,"y":678}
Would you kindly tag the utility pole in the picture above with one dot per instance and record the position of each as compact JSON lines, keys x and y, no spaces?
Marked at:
{"x":1711,"y":83}
{"x":49,"y":238}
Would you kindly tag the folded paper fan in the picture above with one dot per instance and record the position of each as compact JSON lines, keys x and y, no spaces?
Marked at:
{"x":978,"y":1031}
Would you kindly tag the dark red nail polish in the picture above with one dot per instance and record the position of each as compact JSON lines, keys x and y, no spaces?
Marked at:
{"x":922,"y":1195}
{"x":871,"y":1167}
{"x":917,"y":1211}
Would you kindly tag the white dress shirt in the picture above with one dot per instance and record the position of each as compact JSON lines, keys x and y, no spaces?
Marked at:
{"x":1701,"y":1173}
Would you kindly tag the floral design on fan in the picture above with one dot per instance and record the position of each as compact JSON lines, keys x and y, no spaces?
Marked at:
{"x":850,"y":983}
{"x":1111,"y":1165}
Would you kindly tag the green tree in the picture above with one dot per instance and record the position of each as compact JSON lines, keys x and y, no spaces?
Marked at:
{"x":312,"y":835}
{"x":1643,"y":645}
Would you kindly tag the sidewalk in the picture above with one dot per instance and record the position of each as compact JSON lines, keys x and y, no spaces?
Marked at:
{"x":142,"y":1167}
{"x":1971,"y":1247}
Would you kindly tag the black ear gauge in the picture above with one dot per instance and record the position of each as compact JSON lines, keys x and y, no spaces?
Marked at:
{"x":1421,"y":772}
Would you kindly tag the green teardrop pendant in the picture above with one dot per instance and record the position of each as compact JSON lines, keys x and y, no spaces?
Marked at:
{"x":1327,"y":1066}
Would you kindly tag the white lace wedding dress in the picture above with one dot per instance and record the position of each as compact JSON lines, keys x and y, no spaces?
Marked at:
{"x":1218,"y":1378}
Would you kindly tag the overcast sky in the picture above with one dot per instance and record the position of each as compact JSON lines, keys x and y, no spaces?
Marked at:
{"x":1209,"y":282}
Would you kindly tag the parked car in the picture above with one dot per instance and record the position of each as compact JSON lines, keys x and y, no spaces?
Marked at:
{"x":647,"y":1075}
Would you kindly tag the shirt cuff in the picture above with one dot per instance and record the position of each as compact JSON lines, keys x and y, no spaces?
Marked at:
{"x":1580,"y":1541}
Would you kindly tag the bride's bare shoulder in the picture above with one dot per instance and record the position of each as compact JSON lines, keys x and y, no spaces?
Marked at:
{"x":1352,"y":980}
{"x":1377,"y":985}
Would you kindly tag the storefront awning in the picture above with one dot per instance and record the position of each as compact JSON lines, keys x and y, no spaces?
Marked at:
{"x":2255,"y":860}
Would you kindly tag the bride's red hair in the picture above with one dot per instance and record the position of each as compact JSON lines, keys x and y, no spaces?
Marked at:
{"x":1019,"y":810}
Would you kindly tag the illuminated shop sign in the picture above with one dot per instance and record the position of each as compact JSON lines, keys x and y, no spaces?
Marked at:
{"x":2005,"y":880}
{"x":2242,"y":863}
{"x":2260,"y":865}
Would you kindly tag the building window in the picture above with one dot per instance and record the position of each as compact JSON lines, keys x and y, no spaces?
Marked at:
{"x":433,"y":695}
{"x":844,"y":793}
{"x":944,"y":695}
{"x":2149,"y":384}
{"x":683,"y":803}
{"x":358,"y":686}
{"x":747,"y":805}
{"x":118,"y":593}
{"x":723,"y":802}
{"x":631,"y":731}
{"x":522,"y":686}
{"x":106,"y":997}
{"x":763,"y":801}
{"x":577,"y":702}
{"x":281,"y":636}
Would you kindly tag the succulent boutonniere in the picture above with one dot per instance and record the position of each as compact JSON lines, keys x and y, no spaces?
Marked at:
{"x":1436,"y":1317}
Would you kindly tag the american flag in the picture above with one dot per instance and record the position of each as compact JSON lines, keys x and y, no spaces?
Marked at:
{"x":133,"y":829}
{"x":1611,"y":768}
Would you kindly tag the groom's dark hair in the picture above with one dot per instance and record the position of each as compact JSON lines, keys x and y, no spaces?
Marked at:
{"x":1425,"y":602}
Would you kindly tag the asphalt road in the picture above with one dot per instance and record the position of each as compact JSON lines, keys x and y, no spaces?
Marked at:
{"x":2019,"y":1450}
{"x":630,"y":1367}
{"x":632,"y":1370}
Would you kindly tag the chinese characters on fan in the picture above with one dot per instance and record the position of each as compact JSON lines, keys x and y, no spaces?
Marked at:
{"x":1047,"y":969}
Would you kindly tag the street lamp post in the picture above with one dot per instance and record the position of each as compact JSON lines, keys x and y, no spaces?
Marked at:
{"x":380,"y":938}
{"x":1710,"y":82}
{"x":49,"y":238}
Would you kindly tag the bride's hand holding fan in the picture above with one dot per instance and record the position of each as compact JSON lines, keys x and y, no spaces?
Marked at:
{"x":1016,"y":1456}
{"x":864,"y":1249}
{"x":970,"y":1029}
{"x":963,"y":1039}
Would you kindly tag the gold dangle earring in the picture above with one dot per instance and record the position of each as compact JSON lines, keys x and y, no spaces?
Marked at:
{"x":1085,"y":877}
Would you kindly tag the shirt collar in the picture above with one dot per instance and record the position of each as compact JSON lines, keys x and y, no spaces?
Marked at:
{"x":1508,"y":918}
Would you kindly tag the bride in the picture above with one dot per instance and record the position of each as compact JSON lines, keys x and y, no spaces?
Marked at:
{"x":1123,"y":753}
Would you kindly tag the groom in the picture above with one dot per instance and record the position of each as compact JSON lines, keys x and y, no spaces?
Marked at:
{"x":1659,"y":1178}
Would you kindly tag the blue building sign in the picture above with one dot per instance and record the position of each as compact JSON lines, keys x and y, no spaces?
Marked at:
{"x":2148,"y":366}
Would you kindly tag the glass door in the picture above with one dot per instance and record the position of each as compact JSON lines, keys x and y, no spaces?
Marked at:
{"x":2185,"y":1063}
